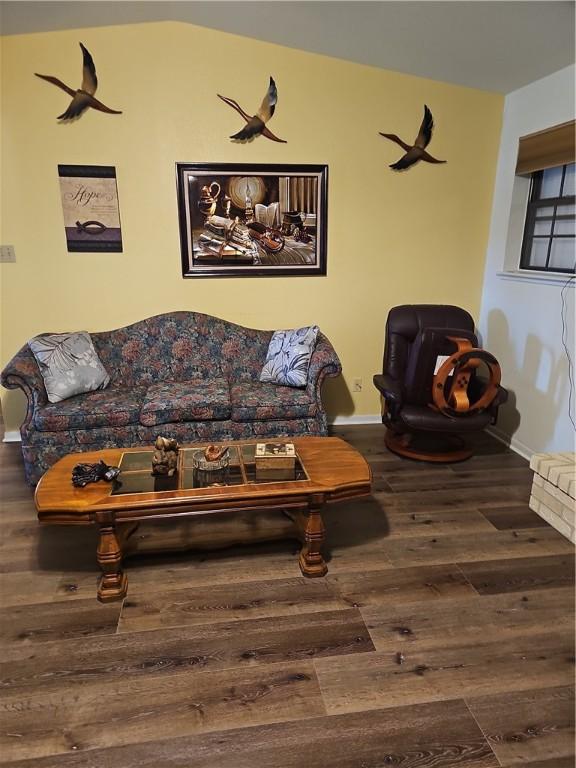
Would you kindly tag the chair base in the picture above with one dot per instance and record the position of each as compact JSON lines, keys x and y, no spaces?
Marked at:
{"x":436,"y":447}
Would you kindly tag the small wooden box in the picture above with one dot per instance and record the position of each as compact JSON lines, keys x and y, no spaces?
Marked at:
{"x":275,"y":461}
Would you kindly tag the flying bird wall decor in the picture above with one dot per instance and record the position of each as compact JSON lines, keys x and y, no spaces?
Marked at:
{"x":256,"y":124}
{"x":82,"y":97}
{"x":417,"y":151}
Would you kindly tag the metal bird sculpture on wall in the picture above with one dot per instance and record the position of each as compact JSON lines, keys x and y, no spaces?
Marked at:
{"x":83,"y":97}
{"x":417,"y":151}
{"x":256,"y":124}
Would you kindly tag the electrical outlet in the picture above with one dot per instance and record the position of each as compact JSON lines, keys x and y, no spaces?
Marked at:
{"x":7,"y":253}
{"x":357,"y":385}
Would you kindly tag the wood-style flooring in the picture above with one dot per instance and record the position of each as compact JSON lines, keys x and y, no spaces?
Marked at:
{"x":442,"y":636}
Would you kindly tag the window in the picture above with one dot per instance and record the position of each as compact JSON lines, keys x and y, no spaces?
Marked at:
{"x":548,"y":244}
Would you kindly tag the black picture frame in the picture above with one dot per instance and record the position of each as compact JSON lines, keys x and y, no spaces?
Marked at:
{"x":252,"y":220}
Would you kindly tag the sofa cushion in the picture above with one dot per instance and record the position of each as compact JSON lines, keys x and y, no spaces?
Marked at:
{"x":108,"y":408}
{"x":69,"y":364}
{"x":196,"y":400}
{"x":289,"y":356}
{"x":255,"y":401}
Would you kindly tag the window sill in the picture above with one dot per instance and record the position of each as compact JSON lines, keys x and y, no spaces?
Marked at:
{"x":525,"y":276}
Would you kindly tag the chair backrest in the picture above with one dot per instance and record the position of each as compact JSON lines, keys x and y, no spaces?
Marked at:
{"x":416,"y":334}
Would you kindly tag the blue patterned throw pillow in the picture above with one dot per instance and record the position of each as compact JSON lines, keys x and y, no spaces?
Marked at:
{"x":69,"y":364}
{"x":288,"y":356}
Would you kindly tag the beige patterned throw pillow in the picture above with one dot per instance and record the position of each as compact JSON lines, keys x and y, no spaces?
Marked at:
{"x":69,"y":364}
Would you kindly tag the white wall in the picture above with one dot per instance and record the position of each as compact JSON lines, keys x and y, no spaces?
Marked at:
{"x":520,"y":319}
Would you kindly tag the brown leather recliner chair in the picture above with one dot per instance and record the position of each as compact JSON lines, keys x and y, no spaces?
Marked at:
{"x":428,"y":405}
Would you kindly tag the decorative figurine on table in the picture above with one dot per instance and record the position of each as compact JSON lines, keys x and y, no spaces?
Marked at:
{"x":215,"y":452}
{"x":165,"y":458}
{"x":82,"y":474}
{"x":211,"y":466}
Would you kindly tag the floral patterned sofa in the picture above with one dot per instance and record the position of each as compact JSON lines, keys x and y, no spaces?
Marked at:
{"x":184,"y":375}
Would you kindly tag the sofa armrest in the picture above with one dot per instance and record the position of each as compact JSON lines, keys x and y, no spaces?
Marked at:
{"x":324,"y":362}
{"x":22,"y":372}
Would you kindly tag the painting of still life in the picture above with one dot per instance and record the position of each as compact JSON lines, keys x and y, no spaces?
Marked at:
{"x":252,"y":220}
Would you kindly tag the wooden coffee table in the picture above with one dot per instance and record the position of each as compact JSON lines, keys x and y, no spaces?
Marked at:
{"x":328,"y":470}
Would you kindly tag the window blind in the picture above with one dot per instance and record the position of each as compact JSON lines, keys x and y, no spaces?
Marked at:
{"x":546,"y":149}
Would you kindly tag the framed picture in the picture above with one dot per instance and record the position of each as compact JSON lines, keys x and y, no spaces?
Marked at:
{"x":252,"y":220}
{"x":90,"y":207}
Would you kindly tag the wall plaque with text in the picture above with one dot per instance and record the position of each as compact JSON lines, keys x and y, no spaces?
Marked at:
{"x":90,"y":206}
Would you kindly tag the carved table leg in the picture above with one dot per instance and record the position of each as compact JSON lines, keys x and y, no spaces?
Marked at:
{"x":311,"y":561}
{"x":113,"y":583}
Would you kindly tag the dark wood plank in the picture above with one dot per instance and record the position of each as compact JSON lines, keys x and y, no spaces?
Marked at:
{"x":521,"y":516}
{"x":486,"y":462}
{"x":404,"y":524}
{"x":132,"y":711}
{"x":468,"y":620}
{"x":45,"y":622}
{"x":206,"y":647}
{"x":29,"y":587}
{"x":529,"y":542}
{"x":528,"y":725}
{"x":370,"y":519}
{"x":430,"y":736}
{"x":52,"y":548}
{"x":554,"y":762}
{"x":465,"y":497}
{"x":517,"y":575}
{"x":436,"y":480}
{"x":193,"y":570}
{"x":378,"y":680}
{"x":22,"y":511}
{"x":257,"y":599}
{"x":402,"y":585}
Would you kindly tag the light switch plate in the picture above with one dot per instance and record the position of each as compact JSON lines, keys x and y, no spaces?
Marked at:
{"x":7,"y":253}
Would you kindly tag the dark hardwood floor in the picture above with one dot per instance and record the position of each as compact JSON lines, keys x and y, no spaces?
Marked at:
{"x":443,"y":634}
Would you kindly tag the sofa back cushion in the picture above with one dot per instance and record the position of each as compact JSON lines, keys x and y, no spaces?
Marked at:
{"x":166,"y":347}
{"x":244,"y":353}
{"x":181,"y":346}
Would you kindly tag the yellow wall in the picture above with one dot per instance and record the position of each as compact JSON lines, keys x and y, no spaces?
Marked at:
{"x":418,"y":236}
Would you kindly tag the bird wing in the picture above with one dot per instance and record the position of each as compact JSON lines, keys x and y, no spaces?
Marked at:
{"x":269,"y":135}
{"x":79,"y":103}
{"x":411,"y":157}
{"x":95,"y":104}
{"x":253,"y":127}
{"x":425,"y":132}
{"x":59,"y":83}
{"x":89,"y":79}
{"x":236,"y":106}
{"x":268,"y":103}
{"x":398,"y":140}
{"x":430,"y":159}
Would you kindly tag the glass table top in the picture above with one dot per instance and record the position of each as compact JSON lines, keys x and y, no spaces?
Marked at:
{"x":136,"y":472}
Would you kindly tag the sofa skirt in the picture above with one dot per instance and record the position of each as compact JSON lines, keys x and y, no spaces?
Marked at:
{"x":40,"y":450}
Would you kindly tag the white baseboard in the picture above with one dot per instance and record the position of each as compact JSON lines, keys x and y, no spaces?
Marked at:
{"x":367,"y":418}
{"x":516,"y":445}
{"x":12,"y":437}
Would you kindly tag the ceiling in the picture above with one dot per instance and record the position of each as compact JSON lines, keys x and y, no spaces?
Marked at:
{"x":496,"y":46}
